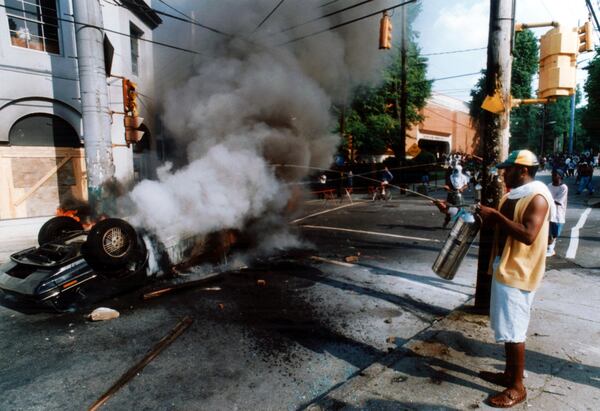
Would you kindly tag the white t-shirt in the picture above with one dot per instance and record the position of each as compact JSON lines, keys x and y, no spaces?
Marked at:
{"x":559,"y":194}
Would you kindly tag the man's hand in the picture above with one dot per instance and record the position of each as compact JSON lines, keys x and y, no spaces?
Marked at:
{"x":441,"y":205}
{"x":488,"y":214}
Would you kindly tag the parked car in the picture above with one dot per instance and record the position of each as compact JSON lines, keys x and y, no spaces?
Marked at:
{"x":72,"y":267}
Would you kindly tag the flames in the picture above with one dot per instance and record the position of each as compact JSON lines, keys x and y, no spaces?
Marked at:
{"x":86,"y":223}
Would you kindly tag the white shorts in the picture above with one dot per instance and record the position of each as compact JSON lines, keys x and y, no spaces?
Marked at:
{"x":510,"y":310}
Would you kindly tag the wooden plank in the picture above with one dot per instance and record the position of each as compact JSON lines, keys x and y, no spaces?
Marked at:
{"x":37,"y":152}
{"x":7,"y":210}
{"x":37,"y":185}
{"x":80,"y":189}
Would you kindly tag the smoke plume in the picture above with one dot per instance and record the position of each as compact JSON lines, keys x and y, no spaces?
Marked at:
{"x":246,"y":104}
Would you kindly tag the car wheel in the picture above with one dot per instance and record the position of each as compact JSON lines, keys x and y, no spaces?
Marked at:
{"x":111,"y":242}
{"x":57,"y":227}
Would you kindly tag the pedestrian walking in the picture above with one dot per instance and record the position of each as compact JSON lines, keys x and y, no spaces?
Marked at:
{"x":559,"y":191}
{"x":521,"y":225}
{"x":387,"y":175}
{"x":585,"y":172}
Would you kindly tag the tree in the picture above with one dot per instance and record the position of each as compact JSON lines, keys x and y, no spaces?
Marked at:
{"x":525,"y":124}
{"x":590,"y":117}
{"x":373,"y":118}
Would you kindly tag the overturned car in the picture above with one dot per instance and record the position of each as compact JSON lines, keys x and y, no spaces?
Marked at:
{"x":72,"y":266}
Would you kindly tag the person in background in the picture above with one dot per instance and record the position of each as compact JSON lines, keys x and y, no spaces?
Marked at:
{"x":559,"y":191}
{"x":518,"y":263}
{"x":584,"y":173}
{"x":456,"y":183}
{"x":387,"y":175}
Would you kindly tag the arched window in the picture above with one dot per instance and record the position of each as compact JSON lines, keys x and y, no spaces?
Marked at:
{"x":43,"y":130}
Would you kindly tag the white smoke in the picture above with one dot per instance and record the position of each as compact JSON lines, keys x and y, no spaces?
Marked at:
{"x":246,"y":106}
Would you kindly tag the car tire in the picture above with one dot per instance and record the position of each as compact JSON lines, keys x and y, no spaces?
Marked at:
{"x":110,"y":243}
{"x":57,"y":227}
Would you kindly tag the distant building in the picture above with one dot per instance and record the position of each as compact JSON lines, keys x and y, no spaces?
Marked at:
{"x":446,"y":128}
{"x":42,"y":142}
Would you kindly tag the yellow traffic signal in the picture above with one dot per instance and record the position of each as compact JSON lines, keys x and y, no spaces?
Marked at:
{"x":586,"y":43}
{"x":385,"y":32}
{"x":558,"y":62}
{"x":130,"y":97}
{"x":132,"y":134}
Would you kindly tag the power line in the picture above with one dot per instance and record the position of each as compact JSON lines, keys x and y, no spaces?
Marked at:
{"x":269,"y":15}
{"x":103,"y":29}
{"x":333,"y":13}
{"x":186,"y":20}
{"x":328,"y":3}
{"x":337,"y":26}
{"x":454,"y":51}
{"x":457,"y":76}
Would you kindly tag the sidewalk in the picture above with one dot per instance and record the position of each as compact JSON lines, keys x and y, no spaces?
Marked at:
{"x":437,"y":369}
{"x":17,"y":234}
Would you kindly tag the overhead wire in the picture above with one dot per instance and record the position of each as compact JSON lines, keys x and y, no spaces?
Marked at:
{"x":269,"y":15}
{"x":453,"y":51}
{"x":337,"y":26}
{"x":328,"y":3}
{"x":333,"y":13}
{"x":186,"y":19}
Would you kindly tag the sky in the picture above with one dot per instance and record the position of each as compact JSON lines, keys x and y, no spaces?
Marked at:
{"x":447,"y":25}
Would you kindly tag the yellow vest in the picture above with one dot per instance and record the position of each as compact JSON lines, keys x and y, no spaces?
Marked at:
{"x":522,"y":266}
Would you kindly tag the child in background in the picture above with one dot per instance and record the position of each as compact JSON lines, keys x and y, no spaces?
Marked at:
{"x":559,"y":191}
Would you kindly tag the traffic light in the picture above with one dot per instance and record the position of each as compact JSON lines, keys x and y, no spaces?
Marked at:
{"x":132,"y":124}
{"x":385,"y":32}
{"x":131,"y":121}
{"x":130,"y":97}
{"x":558,"y":62}
{"x":586,"y":43}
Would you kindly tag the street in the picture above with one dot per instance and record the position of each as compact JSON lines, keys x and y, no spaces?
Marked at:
{"x":276,"y":335}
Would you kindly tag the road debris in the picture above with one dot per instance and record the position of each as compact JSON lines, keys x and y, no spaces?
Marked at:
{"x":159,"y":292}
{"x":135,"y":370}
{"x":103,"y":314}
{"x":261,"y":283}
{"x":351,"y":259}
{"x":221,"y":306}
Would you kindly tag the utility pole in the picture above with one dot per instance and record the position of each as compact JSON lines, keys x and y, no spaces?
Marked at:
{"x":404,"y":95}
{"x":495,"y":130}
{"x":572,"y":127}
{"x":94,"y":100}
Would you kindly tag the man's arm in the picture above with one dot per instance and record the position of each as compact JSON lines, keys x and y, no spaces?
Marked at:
{"x":533,"y":219}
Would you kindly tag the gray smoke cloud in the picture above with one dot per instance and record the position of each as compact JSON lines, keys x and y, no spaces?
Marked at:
{"x":246,"y":104}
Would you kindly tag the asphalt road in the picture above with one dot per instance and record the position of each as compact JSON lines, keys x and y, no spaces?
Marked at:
{"x":274,"y":336}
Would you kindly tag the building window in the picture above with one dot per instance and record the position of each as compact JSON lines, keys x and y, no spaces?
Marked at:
{"x":33,"y":24}
{"x":135,"y":34}
{"x":43,"y":130}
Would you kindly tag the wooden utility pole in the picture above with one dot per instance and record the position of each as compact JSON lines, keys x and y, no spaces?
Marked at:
{"x":494,"y":130}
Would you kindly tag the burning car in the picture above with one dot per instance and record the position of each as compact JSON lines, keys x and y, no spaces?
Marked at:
{"x":73,"y":266}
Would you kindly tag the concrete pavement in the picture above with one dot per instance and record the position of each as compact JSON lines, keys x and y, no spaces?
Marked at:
{"x":19,"y":233}
{"x":437,"y":369}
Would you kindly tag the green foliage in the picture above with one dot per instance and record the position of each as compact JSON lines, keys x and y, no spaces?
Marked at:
{"x":373,"y":118}
{"x":590,"y":116}
{"x":525,"y":64}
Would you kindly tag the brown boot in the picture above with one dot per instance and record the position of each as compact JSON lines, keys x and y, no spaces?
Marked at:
{"x":515,"y":367}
